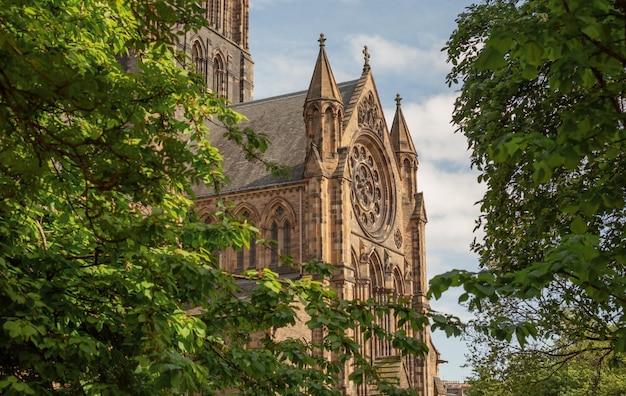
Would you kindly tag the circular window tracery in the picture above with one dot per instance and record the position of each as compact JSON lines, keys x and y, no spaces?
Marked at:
{"x":370,"y":191}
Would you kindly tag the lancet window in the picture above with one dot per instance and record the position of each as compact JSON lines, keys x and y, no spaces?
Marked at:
{"x":220,"y":77}
{"x":247,"y":257}
{"x":280,"y":234}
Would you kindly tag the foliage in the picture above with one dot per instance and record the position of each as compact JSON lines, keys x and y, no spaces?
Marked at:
{"x":542,"y":107}
{"x":102,"y":255}
{"x":557,"y":367}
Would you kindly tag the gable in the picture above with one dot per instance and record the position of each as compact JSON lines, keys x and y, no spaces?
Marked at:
{"x":364,"y":110}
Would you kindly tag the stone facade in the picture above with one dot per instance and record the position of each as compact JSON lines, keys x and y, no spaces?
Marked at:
{"x":220,"y":51}
{"x":351,"y":199}
{"x":456,"y":388}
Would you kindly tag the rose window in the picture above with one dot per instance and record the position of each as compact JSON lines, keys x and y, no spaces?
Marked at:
{"x":370,"y":190}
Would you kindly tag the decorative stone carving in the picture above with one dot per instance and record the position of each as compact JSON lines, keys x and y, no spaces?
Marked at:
{"x":369,"y":115}
{"x":370,"y":190}
{"x":365,"y":252}
{"x":397,"y":238}
{"x":408,"y":272}
{"x":365,"y":256}
{"x":389,"y":265}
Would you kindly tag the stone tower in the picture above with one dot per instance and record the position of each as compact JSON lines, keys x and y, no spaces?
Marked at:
{"x":220,"y":51}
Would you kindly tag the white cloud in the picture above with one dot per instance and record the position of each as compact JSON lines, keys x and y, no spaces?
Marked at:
{"x":396,"y":57}
{"x":450,"y":205}
{"x":449,"y":185}
{"x":285,"y":74}
{"x":433,"y":133}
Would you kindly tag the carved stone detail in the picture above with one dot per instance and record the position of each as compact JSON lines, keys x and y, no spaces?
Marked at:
{"x":408,"y":272}
{"x":369,"y":190}
{"x":397,"y":238}
{"x":369,"y":115}
{"x":388,"y":264}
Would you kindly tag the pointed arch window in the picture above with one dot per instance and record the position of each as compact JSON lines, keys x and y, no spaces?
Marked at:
{"x":198,"y":59}
{"x":197,"y":56}
{"x":329,"y":130}
{"x":226,"y":19}
{"x":280,"y":234}
{"x":242,"y":79}
{"x":245,"y":254}
{"x":252,"y":255}
{"x":236,"y":22}
{"x":408,"y":176}
{"x":286,"y":238}
{"x":215,"y":8}
{"x":381,"y":346}
{"x":240,"y":258}
{"x":215,"y":255}
{"x":220,"y":80}
{"x":274,"y":248}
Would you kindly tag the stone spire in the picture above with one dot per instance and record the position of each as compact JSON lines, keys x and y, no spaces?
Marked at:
{"x":323,"y":85}
{"x":400,"y":135}
{"x":405,"y":154}
{"x":323,"y":108}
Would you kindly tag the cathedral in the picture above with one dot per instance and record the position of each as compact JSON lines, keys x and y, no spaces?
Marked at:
{"x":351,"y":196}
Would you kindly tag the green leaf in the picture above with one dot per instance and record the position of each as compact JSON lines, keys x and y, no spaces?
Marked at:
{"x":490,"y":59}
{"x":542,"y":174}
{"x":620,"y":342}
{"x":592,"y":29}
{"x":8,"y":381}
{"x":501,"y":42}
{"x":532,"y":53}
{"x":552,"y":219}
{"x":578,"y":225}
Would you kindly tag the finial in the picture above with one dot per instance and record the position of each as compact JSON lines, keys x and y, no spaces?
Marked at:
{"x":322,"y":39}
{"x":398,"y":100}
{"x":366,"y":55}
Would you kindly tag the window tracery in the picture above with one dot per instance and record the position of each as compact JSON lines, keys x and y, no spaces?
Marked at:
{"x":220,"y":80}
{"x":274,"y":247}
{"x":215,"y":11}
{"x":286,"y":238}
{"x":279,"y":220}
{"x":369,"y":115}
{"x":198,"y":59}
{"x":371,"y":191}
{"x":247,"y":254}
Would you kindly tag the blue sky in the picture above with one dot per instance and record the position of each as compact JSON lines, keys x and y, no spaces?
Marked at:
{"x":404,"y":38}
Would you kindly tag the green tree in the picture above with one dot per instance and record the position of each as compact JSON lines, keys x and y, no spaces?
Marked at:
{"x":107,"y":279}
{"x":561,"y":360}
{"x":542,"y":106}
{"x":556,"y":368}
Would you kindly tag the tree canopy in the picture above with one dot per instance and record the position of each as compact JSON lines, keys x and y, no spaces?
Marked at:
{"x":559,"y":365}
{"x":108,"y":283}
{"x":542,"y":106}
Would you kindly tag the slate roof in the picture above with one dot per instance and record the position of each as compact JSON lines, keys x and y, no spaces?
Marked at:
{"x":281,"y":117}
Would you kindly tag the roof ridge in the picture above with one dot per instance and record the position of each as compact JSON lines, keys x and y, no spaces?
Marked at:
{"x":288,"y":95}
